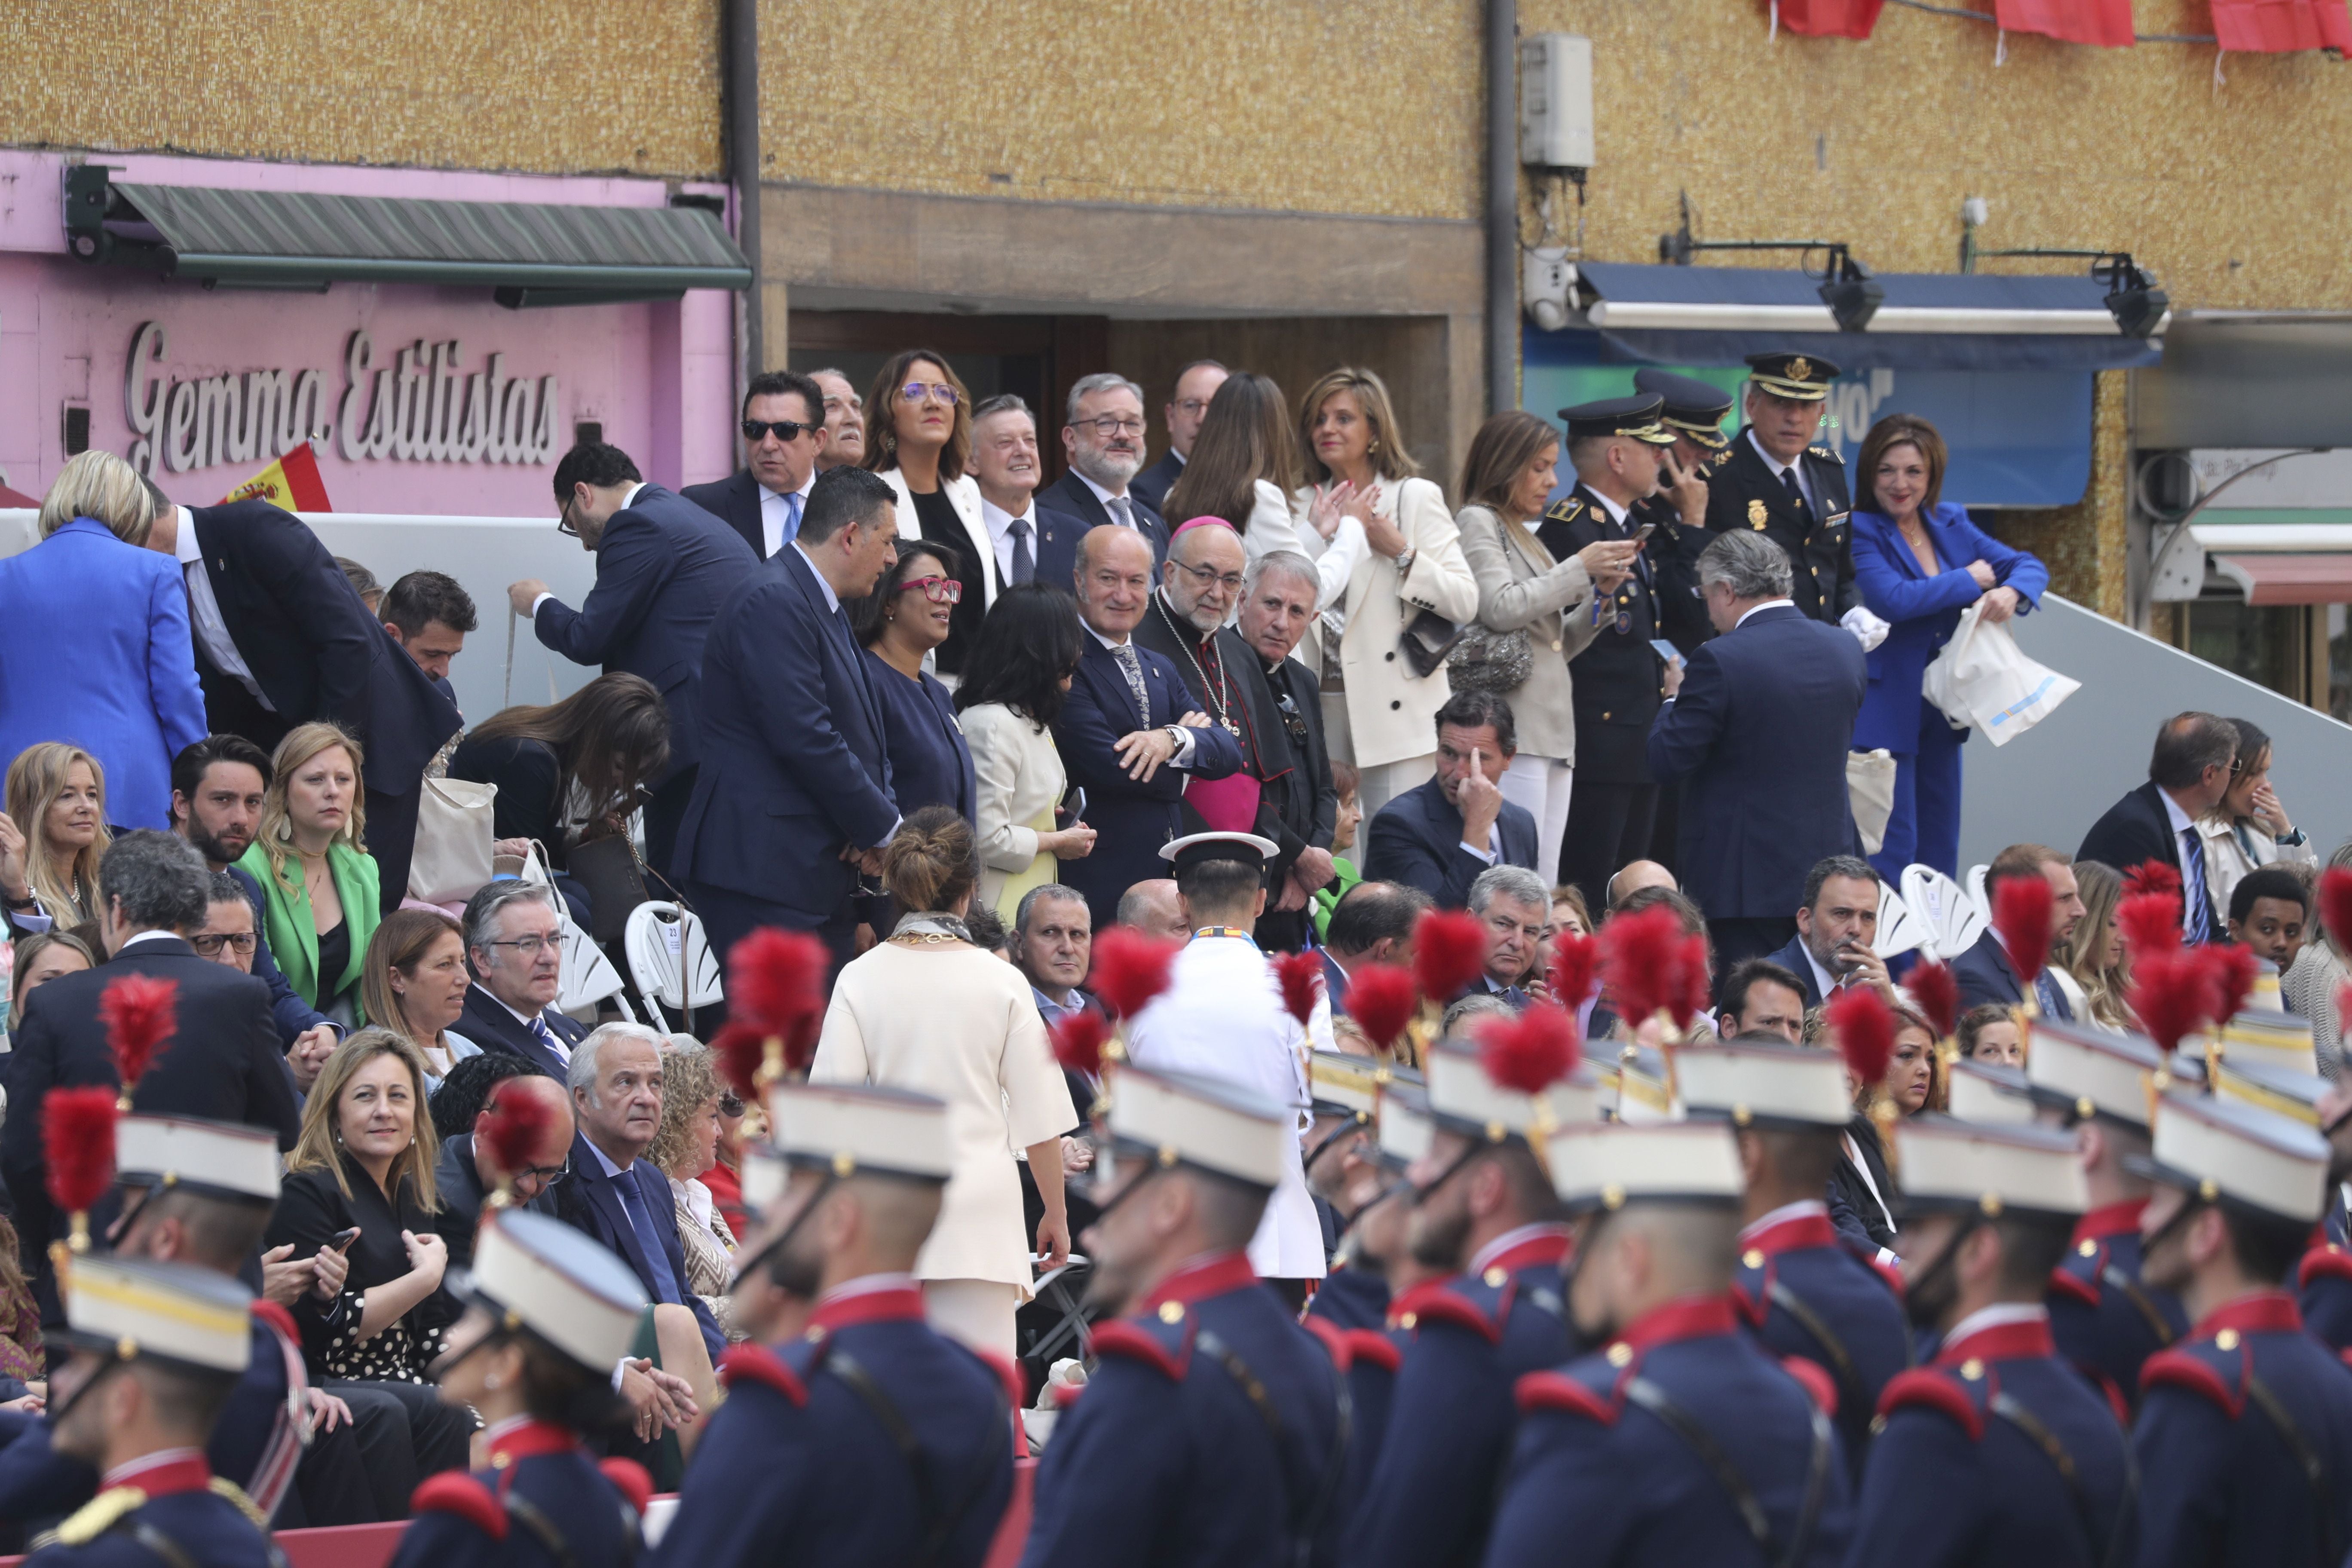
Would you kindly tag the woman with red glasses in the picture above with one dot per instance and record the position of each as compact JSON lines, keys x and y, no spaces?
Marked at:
{"x":906,"y":617}
{"x":919,"y":438}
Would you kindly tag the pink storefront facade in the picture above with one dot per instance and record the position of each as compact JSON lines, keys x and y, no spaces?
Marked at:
{"x":416,"y":399}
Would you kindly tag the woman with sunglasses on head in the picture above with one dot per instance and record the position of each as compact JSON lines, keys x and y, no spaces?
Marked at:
{"x":919,"y":438}
{"x":905,"y":617}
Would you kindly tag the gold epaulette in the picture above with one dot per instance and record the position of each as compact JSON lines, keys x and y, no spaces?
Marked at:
{"x":223,"y":1487}
{"x":1565,"y":510}
{"x":95,"y":1518}
{"x":1825,"y":452}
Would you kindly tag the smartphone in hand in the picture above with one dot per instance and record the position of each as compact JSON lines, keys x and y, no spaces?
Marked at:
{"x":343,"y":1239}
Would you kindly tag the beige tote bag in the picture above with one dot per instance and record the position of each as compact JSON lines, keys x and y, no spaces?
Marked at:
{"x":453,"y":841}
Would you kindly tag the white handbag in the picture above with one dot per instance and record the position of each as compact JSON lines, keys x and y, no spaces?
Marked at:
{"x":1869,"y":787}
{"x":1982,"y":681}
{"x":453,"y":834}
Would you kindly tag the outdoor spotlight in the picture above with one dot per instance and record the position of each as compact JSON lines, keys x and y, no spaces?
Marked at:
{"x":2133,"y":298}
{"x":1849,"y":292}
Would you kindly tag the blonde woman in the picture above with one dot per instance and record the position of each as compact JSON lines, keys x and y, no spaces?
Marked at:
{"x":1403,"y":561}
{"x":684,"y":1149}
{"x":2092,"y":967}
{"x":919,"y":438}
{"x":52,"y":838}
{"x":319,"y":885}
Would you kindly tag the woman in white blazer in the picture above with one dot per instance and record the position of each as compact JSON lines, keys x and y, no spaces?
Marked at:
{"x":919,"y":438}
{"x":1014,"y":684}
{"x":1506,"y":480}
{"x":1398,"y":555}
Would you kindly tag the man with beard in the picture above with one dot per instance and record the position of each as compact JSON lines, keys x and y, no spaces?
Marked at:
{"x":870,"y":1438}
{"x":1104,"y":444}
{"x":2021,"y":1455}
{"x":1682,"y":1440}
{"x":1486,"y":1217}
{"x":217,"y":789}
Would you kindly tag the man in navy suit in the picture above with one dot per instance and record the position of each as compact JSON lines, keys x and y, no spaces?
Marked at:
{"x":514,"y":946}
{"x":1371,"y":923}
{"x":1186,"y":406}
{"x":795,"y":800}
{"x":783,"y":428}
{"x":1836,"y":926}
{"x":282,"y":639}
{"x":1759,"y":725}
{"x":2195,"y":762}
{"x":1984,"y":971}
{"x":1440,"y":836}
{"x":664,"y":566}
{"x":1128,"y":733}
{"x":1104,"y":443}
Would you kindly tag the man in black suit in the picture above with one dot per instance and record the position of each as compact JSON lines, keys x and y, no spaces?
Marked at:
{"x":1619,"y":679}
{"x":783,"y":430}
{"x":1836,"y":926}
{"x":2186,"y":776}
{"x":1759,"y":727}
{"x":467,"y":1173}
{"x":1005,"y":465}
{"x":220,"y":1062}
{"x":1984,"y":971}
{"x":1372,"y":923}
{"x":514,"y":946}
{"x":1277,"y":606}
{"x":1439,"y":835}
{"x":1196,"y":383}
{"x":1777,"y":483}
{"x":664,"y":566}
{"x":281,"y":639}
{"x":1104,"y":444}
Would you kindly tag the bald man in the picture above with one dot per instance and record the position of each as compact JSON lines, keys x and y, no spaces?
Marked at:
{"x":468,"y":1173}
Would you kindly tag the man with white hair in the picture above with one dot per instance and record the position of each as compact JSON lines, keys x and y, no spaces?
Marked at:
{"x":1277,"y":606}
{"x":1104,"y":443}
{"x":514,"y":945}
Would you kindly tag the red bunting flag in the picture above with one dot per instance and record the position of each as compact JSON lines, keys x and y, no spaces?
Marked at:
{"x":2105,"y":23}
{"x":1828,"y":18}
{"x":2281,"y":26}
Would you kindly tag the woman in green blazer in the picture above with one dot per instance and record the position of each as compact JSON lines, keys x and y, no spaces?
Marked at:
{"x":319,"y":887}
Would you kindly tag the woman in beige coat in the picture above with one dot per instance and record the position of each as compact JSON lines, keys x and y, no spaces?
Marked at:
{"x":927,"y":1011}
{"x":1509,"y":475}
{"x":1404,"y":557}
{"x":1012,"y":689}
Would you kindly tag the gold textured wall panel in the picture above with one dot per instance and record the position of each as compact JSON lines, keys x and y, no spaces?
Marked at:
{"x":536,"y":86}
{"x":2083,"y":545}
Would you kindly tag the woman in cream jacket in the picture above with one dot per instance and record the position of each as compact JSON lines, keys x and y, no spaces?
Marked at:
{"x":1013,"y":685}
{"x":920,"y":444}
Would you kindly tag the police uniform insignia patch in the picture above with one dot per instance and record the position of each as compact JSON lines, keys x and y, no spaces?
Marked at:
{"x":1755,"y":513}
{"x":1800,"y":369}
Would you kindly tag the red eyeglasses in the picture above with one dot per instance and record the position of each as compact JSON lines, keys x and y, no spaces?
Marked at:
{"x":938,"y":590}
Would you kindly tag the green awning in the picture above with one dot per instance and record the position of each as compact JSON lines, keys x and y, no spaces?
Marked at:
{"x":530,"y":252}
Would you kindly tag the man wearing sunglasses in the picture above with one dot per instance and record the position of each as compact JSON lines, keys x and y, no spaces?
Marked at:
{"x":664,"y":565}
{"x":783,"y":428}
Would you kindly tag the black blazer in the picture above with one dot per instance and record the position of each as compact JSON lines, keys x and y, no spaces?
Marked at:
{"x":1615,"y":682}
{"x":312,"y":1211}
{"x":1846,"y":1184}
{"x":587,"y":1201}
{"x":1311,"y":807}
{"x":2136,"y":829}
{"x":460,"y":1189}
{"x":1416,"y":839}
{"x":1744,"y":494}
{"x":488,"y":1024}
{"x":1070,"y":499}
{"x":223,"y":1063}
{"x":1154,"y":483}
{"x":735,"y":501}
{"x":1795,"y":959}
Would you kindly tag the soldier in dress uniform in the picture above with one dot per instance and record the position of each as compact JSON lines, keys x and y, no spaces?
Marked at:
{"x":2244,"y":1438}
{"x":1806,"y":1290}
{"x":2107,"y":1319}
{"x":871,"y":1439}
{"x":157,"y":1349}
{"x":2019,"y":1459}
{"x":550,"y":1314}
{"x":1346,"y":1174}
{"x":1486,"y":1222}
{"x":2324,"y":1280}
{"x":1617,"y":682}
{"x":1779,"y":481}
{"x":1680,"y":1440}
{"x":1215,"y":1429}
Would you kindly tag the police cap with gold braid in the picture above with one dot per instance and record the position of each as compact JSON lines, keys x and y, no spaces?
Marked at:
{"x":1799,"y":378}
{"x":1635,"y":418}
{"x":1694,"y":408}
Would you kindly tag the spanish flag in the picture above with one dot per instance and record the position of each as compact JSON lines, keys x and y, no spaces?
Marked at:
{"x":292,"y":482}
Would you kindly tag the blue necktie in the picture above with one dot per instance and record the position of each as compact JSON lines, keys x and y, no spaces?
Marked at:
{"x":2197,"y":907}
{"x":664,"y":1284}
{"x":791,"y":516}
{"x":546,"y":1037}
{"x":2052,"y":1000}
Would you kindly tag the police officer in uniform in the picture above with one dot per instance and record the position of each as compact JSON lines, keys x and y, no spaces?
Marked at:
{"x":157,"y":1349}
{"x":1486,"y":1215}
{"x":1806,"y":1290}
{"x":551,"y":1314}
{"x":2016,"y":1457}
{"x":1618,"y":680}
{"x":1779,"y":482}
{"x":871,"y":1438}
{"x":1680,"y":1440}
{"x":1215,"y":1429}
{"x":2244,"y":1438}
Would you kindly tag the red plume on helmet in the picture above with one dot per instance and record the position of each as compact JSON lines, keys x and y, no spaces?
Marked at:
{"x":2336,"y":904}
{"x":2173,"y":993}
{"x":2152,"y":877}
{"x":741,"y":1050}
{"x":1129,"y":969}
{"x":1298,"y":974}
{"x":515,"y":1127}
{"x":1078,"y":1040}
{"x":2230,"y":968}
{"x":1382,"y":999}
{"x":1936,"y":990}
{"x":1642,"y":961}
{"x":1531,"y":1052}
{"x":775,"y":979}
{"x":1449,"y":953}
{"x":2150,"y":922}
{"x":141,"y":1012}
{"x":1694,"y":986}
{"x":78,"y":1145}
{"x":2020,"y":918}
{"x":1863,"y":1026}
{"x":1575,"y":969}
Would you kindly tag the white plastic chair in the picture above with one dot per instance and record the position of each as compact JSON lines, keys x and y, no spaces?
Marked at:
{"x":1977,"y":894}
{"x":671,"y":959}
{"x":1952,"y":919}
{"x":1899,"y":931}
{"x":588,"y":979}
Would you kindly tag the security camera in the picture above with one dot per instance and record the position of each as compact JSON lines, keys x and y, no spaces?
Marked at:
{"x":1548,"y":283}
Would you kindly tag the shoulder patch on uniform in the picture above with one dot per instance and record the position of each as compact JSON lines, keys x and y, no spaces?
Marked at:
{"x":1334,"y":1341}
{"x":1433,"y":1303}
{"x":630,"y":1480}
{"x":1825,"y":452}
{"x":1553,"y":1391}
{"x":2066,"y":1282}
{"x":2183,"y":1369}
{"x":2330,"y":1261}
{"x":1820,"y":1386}
{"x":278,"y":1318}
{"x":98,"y":1515}
{"x":1373,"y":1346}
{"x":455,"y":1492}
{"x":1565,"y":510}
{"x":758,"y":1363}
{"x":1927,"y":1388}
{"x":1133,"y":1342}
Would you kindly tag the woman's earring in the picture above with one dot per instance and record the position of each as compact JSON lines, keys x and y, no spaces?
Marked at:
{"x":491,"y":1380}
{"x":1373,"y":447}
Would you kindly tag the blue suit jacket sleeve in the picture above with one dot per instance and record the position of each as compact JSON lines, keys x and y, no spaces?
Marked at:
{"x":633,"y":562}
{"x":1689,"y":726}
{"x":1401,"y":846}
{"x":795,"y":721}
{"x":1889,"y":593}
{"x":172,"y":666}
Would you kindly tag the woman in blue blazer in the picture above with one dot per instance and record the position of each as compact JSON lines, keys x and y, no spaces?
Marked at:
{"x":1919,"y":562}
{"x":904,"y":617}
{"x":94,"y":643}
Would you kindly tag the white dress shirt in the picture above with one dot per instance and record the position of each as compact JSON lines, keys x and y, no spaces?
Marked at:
{"x":776,"y":514}
{"x":1000,"y":534}
{"x":553,"y":1042}
{"x":1780,"y":468}
{"x":205,"y":611}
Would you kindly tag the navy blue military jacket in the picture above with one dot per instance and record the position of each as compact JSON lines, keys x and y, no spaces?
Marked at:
{"x":1806,"y":1293}
{"x":2244,"y":1443}
{"x":176,"y":1501}
{"x":802,"y":1465}
{"x":1213,"y":1432}
{"x":543,"y":1503}
{"x":1352,"y":1299}
{"x":1966,"y":1467}
{"x":2106,"y":1322}
{"x":1598,"y":1476}
{"x":2324,"y":1288}
{"x":1430,"y":1494}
